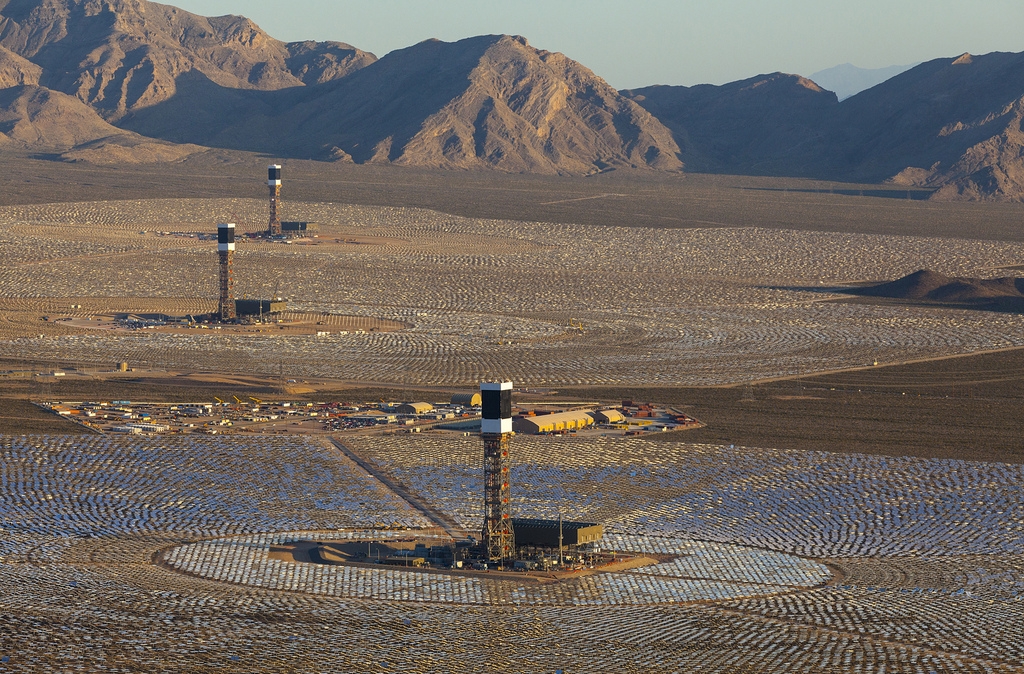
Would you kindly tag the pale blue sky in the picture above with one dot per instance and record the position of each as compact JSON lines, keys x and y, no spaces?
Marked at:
{"x":633,"y":44}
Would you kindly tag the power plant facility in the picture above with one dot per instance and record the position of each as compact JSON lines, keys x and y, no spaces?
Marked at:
{"x":228,"y":308}
{"x":278,"y":229}
{"x":533,"y":533}
{"x":260,"y":307}
{"x":503,"y":535}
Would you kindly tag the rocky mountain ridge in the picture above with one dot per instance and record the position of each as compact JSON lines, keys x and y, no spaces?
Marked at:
{"x":952,"y":125}
{"x":159,"y":72}
{"x":486,"y":102}
{"x":132,"y":80}
{"x":123,"y":55}
{"x":762,"y":125}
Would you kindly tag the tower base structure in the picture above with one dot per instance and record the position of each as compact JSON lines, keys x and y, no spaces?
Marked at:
{"x":226,"y":308}
{"x":498,"y":534}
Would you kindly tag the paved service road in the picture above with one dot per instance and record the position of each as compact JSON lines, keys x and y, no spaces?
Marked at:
{"x":437,"y":517}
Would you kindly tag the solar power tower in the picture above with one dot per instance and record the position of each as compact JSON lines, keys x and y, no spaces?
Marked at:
{"x":226,"y":253}
{"x":496,"y":430}
{"x":274,"y":183}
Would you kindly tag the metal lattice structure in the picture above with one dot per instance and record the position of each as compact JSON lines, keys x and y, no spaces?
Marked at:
{"x":499,"y":537}
{"x":275,"y":219}
{"x":227,"y":286}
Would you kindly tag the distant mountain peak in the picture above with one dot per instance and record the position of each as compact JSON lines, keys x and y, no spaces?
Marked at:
{"x":120,"y":56}
{"x":487,"y":102}
{"x":847,"y":80}
{"x":964,"y":59}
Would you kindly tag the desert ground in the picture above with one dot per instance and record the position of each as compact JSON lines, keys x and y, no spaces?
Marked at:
{"x":852,"y":504}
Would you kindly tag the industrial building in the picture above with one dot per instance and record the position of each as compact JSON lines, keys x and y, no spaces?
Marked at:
{"x":466,"y":399}
{"x":538,"y":533}
{"x":551,"y":423}
{"x":299,"y":229}
{"x":608,"y":416}
{"x":260,"y":307}
{"x":414,"y":408}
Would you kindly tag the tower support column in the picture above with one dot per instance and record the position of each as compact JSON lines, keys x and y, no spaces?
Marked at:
{"x":499,"y":537}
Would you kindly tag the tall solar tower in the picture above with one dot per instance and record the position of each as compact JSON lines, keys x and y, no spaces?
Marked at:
{"x":496,"y":430}
{"x":274,"y":182}
{"x":226,"y":252}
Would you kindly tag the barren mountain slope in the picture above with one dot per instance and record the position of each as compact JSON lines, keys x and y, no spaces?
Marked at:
{"x":124,"y":55}
{"x":954,"y":125}
{"x":16,"y":71}
{"x":484,"y":102}
{"x":998,"y":294}
{"x":536,"y":111}
{"x":764,"y":125}
{"x":949,"y":124}
{"x":39,"y":120}
{"x":944,"y":122}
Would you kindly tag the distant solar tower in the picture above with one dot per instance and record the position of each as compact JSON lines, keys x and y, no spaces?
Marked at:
{"x":496,"y":430}
{"x":226,"y":252}
{"x":274,"y":182}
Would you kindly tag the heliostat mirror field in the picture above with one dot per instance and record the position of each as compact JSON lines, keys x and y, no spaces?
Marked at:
{"x":542,"y":304}
{"x":152,"y":553}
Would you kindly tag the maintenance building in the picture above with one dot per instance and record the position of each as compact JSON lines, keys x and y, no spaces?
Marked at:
{"x":537,"y":533}
{"x":552,"y":423}
{"x":608,"y":416}
{"x":414,"y":408}
{"x":466,"y":399}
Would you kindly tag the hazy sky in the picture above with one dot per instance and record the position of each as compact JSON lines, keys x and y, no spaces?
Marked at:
{"x":633,"y":44}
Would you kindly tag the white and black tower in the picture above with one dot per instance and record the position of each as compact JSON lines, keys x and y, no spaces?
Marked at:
{"x":226,"y":253}
{"x":274,"y":183}
{"x":496,"y":431}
